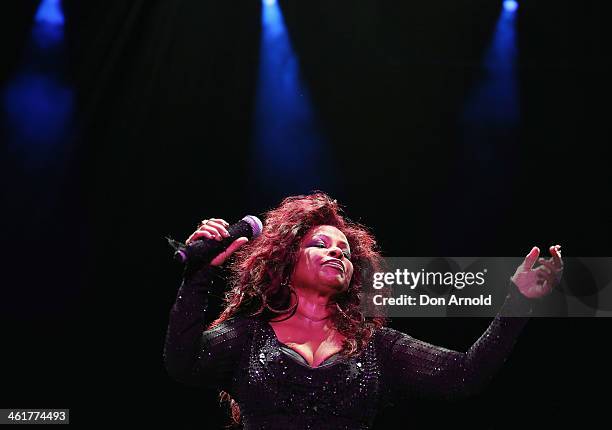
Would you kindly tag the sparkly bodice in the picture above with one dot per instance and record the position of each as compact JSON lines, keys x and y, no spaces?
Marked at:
{"x":277,"y":389}
{"x":274,"y":386}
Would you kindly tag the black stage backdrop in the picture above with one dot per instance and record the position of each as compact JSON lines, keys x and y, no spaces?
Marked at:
{"x":163,"y":137}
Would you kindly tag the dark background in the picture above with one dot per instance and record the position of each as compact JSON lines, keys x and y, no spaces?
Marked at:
{"x":161,"y":139}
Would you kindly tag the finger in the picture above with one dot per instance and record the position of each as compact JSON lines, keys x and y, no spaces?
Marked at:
{"x":555,"y":251}
{"x":236,"y":244}
{"x":548,"y":284}
{"x":548,"y":264}
{"x":531,"y":258}
{"x":218,"y":226}
{"x":198,"y":234}
{"x":221,"y":221}
{"x":220,"y":259}
{"x":212,"y":230}
{"x":547,"y":279}
{"x":542,"y":270}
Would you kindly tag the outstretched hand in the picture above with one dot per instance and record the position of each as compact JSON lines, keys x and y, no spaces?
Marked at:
{"x":539,"y":281}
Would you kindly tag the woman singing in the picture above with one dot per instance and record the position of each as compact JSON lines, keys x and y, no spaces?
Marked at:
{"x":292,"y":347}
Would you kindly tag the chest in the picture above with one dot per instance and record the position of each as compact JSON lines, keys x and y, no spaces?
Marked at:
{"x":315,"y":346}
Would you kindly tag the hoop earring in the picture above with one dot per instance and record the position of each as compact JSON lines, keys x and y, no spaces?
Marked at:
{"x":290,"y":308}
{"x":341,"y":311}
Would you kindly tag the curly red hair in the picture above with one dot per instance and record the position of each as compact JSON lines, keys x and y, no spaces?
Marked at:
{"x":263,"y":267}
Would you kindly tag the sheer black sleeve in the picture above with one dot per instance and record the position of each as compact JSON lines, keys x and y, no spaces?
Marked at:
{"x":196,"y":356}
{"x":413,"y":368}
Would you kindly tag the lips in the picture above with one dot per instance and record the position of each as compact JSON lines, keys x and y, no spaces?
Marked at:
{"x":335,"y":263}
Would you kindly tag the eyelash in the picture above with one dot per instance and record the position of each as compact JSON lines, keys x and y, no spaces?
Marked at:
{"x":347,"y":254}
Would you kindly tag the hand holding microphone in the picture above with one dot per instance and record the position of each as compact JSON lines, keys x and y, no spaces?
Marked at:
{"x":215,"y":240}
{"x":216,"y":229}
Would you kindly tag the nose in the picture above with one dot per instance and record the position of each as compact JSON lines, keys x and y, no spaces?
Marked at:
{"x":335,"y":252}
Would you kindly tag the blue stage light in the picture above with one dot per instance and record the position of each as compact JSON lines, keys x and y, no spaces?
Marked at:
{"x":50,"y":12}
{"x":38,"y":108}
{"x":510,"y":5}
{"x":37,"y":103}
{"x":48,"y":31}
{"x":287,"y":138}
{"x":494,"y":100}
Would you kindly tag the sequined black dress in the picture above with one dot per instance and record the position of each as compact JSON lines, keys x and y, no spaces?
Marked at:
{"x":277,"y":389}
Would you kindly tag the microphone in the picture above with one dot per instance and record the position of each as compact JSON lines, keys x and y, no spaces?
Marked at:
{"x":203,"y":250}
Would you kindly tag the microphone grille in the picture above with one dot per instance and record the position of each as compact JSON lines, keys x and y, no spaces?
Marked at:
{"x":255,"y":224}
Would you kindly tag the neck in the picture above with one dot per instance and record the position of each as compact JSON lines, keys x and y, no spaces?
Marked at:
{"x":313,"y":308}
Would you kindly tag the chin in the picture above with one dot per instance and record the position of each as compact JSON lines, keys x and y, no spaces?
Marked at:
{"x":339,"y":286}
{"x":334,"y":285}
